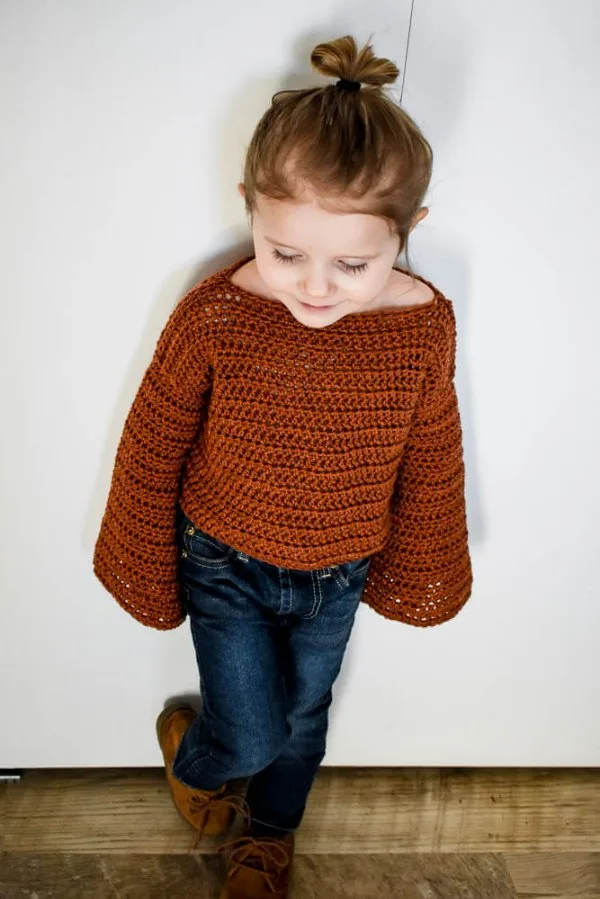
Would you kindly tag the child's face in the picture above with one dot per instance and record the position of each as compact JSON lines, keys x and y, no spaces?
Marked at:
{"x":307,"y":255}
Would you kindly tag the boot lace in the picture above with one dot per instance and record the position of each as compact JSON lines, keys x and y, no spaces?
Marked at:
{"x":202,"y":802}
{"x":266,"y":855}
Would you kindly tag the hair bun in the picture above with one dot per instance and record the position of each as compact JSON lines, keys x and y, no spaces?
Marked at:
{"x":342,"y":59}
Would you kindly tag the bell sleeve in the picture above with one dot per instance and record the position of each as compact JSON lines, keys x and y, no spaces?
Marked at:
{"x":135,"y":555}
{"x":423,"y":575}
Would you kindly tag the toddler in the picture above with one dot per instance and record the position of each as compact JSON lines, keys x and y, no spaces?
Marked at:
{"x":294,"y":448}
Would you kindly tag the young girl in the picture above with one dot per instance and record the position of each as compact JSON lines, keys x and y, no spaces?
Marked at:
{"x":294,"y":448}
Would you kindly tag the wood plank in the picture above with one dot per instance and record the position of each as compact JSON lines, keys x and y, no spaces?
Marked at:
{"x":69,"y":876}
{"x":551,"y":875}
{"x":73,"y":876}
{"x":375,"y":810}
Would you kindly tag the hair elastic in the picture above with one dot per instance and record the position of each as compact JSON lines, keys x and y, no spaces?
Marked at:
{"x":344,"y":84}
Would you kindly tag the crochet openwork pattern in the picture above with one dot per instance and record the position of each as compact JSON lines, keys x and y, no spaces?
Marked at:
{"x":303,"y":447}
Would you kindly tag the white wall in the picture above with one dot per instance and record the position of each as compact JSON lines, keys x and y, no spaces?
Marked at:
{"x":124,"y":126}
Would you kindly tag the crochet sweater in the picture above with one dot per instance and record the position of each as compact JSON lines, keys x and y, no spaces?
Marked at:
{"x":302,"y":447}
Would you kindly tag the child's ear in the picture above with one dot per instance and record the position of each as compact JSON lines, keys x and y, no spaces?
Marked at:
{"x":419,"y":216}
{"x":241,"y":189}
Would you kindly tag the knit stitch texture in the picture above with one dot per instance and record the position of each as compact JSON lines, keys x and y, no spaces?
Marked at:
{"x":299,"y":446}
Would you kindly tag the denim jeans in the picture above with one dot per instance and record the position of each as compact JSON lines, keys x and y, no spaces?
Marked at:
{"x":269,"y":644}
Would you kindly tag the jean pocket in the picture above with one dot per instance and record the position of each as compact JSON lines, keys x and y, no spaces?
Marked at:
{"x":203,"y":548}
{"x":346,"y":572}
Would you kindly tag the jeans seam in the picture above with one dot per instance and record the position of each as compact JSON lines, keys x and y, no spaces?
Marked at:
{"x":318,"y":594}
{"x":189,"y":768}
{"x":274,"y":826}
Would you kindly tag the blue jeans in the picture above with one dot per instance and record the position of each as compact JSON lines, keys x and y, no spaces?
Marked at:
{"x":269,"y":644}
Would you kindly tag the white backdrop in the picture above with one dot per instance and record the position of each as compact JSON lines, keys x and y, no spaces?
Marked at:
{"x":123,"y":130}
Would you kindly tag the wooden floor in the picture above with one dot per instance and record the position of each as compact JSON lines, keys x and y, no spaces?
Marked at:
{"x":403,"y":833}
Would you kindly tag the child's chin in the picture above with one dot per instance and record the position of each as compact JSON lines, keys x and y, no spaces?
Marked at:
{"x":318,"y":319}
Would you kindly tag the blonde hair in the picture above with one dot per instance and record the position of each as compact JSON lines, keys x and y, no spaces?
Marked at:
{"x":357,"y":150}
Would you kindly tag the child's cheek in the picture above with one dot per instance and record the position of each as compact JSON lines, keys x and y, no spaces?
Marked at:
{"x":362,"y":291}
{"x":281,"y":281}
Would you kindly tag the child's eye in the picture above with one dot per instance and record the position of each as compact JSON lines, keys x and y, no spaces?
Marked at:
{"x":354,"y":269}
{"x":281,"y":258}
{"x":349,"y":269}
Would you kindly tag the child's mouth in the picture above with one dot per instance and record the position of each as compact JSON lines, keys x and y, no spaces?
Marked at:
{"x":315,"y":308}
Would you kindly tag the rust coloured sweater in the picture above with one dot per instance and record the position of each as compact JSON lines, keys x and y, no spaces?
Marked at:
{"x":302,"y":447}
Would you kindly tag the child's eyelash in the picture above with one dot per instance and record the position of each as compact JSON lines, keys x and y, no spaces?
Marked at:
{"x":350,"y":269}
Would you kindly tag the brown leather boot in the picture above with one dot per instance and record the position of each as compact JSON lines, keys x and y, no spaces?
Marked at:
{"x":209,"y":811}
{"x":258,"y":867}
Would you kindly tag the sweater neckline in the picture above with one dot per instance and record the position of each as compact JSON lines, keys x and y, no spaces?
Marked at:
{"x":371,"y":314}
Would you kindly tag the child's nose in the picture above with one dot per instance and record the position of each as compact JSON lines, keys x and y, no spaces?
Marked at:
{"x":316,"y":286}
